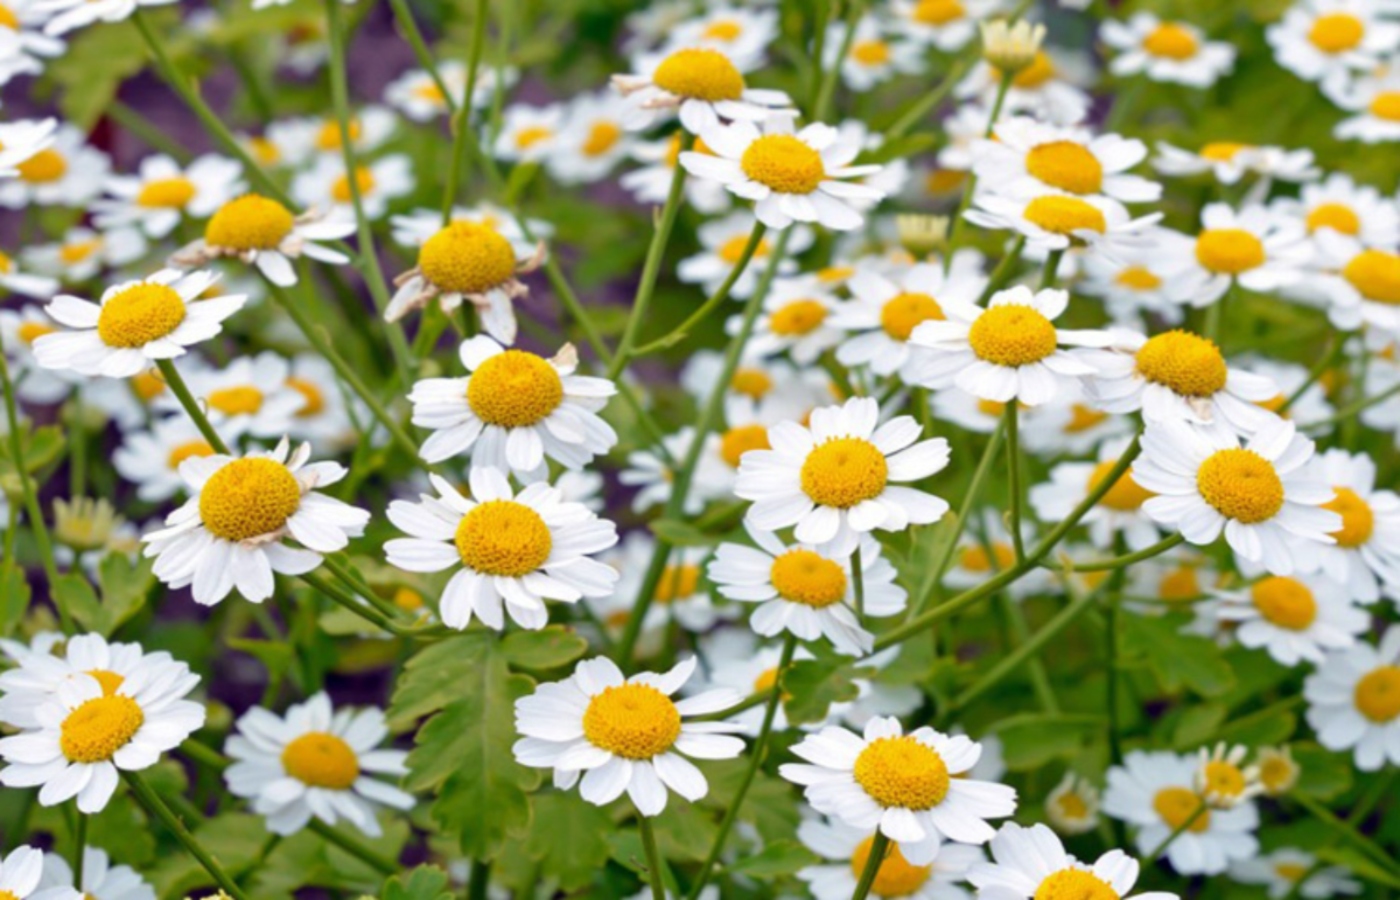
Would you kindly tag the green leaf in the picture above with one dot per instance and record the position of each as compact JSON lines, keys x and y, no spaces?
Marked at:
{"x":75,"y":594}
{"x":548,"y":648}
{"x":39,"y":447}
{"x":568,"y":837}
{"x":432,"y":678}
{"x":1359,"y":863}
{"x":308,"y":860}
{"x":14,"y":589}
{"x":1031,"y":740}
{"x":812,"y":685}
{"x":1323,"y":774}
{"x":1179,"y":660}
{"x":1198,"y":724}
{"x":775,"y":860}
{"x":1274,"y":729}
{"x":684,"y":833}
{"x":422,"y":883}
{"x":125,"y":585}
{"x":680,"y":534}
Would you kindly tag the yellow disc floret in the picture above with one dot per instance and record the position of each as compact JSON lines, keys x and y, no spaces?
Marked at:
{"x":1358,"y":519}
{"x":903,"y":772}
{"x":250,"y":222}
{"x":602,"y":136}
{"x":140,"y":314}
{"x":100,"y":727}
{"x":1223,"y":780}
{"x":240,"y":400}
{"x":797,"y":318}
{"x":1074,"y":884}
{"x":514,"y":389}
{"x":1377,"y":694}
{"x":1336,"y":216}
{"x":904,"y":312}
{"x":870,"y":53}
{"x":1189,"y":364}
{"x":109,"y":680}
{"x":1386,"y":105}
{"x":1176,"y":806}
{"x":315,"y":398}
{"x":503,"y":537}
{"x":1138,"y":278}
{"x":896,"y":877}
{"x":1376,"y":275}
{"x":48,"y":165}
{"x":1240,"y":484}
{"x":1171,"y":41}
{"x":364,"y":184}
{"x":1285,"y":602}
{"x":740,"y":440}
{"x":938,"y":12}
{"x":1126,"y":495}
{"x":166,"y":193}
{"x":1336,"y":32}
{"x":249,"y":498}
{"x":1229,"y":251}
{"x":701,"y":74}
{"x":751,"y":382}
{"x":1012,"y":335}
{"x":806,"y":577}
{"x":323,"y":760}
{"x":1066,"y":165}
{"x":677,"y":583}
{"x":783,"y":163}
{"x":1065,"y":215}
{"x":843,"y":472}
{"x":634,"y":721}
{"x":187,"y":450}
{"x":467,"y":258}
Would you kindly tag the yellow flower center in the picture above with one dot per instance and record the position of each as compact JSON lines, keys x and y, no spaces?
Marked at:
{"x":1285,"y":602}
{"x":1376,"y":275}
{"x":323,"y":760}
{"x":784,"y":164}
{"x":428,"y":91}
{"x":243,"y":400}
{"x":896,"y":877}
{"x":1074,"y":884}
{"x":315,"y":400}
{"x":1386,"y":105}
{"x":602,"y":137}
{"x":407,"y":599}
{"x":1176,"y":806}
{"x":531,"y":135}
{"x":29,"y":332}
{"x":1189,"y":364}
{"x":1378,"y":694}
{"x":974,"y":557}
{"x":1240,"y":484}
{"x":166,"y":193}
{"x":76,"y":252}
{"x":364,"y":184}
{"x":147,"y":385}
{"x":187,"y":450}
{"x":798,"y":317}
{"x":250,"y":222}
{"x":330,"y":136}
{"x":843,"y":472}
{"x":699,"y":73}
{"x":1290,"y":871}
{"x":738,"y":441}
{"x":938,"y":12}
{"x":1277,"y":773}
{"x":1223,"y":779}
{"x":1066,"y":165}
{"x":1082,"y":418}
{"x":264,"y":151}
{"x":751,"y":382}
{"x":807,"y":577}
{"x":1222,"y":151}
{"x":1229,"y":251}
{"x":1012,"y":335}
{"x":1065,"y":215}
{"x":140,"y":314}
{"x":1126,"y":495}
{"x":109,"y":680}
{"x":732,"y":250}
{"x":46,"y":166}
{"x":8,"y":19}
{"x":1358,"y":521}
{"x":902,"y":313}
{"x":1041,"y":70}
{"x":467,"y":258}
{"x":1171,"y":41}
{"x":1071,"y":806}
{"x":723,"y":30}
{"x":100,"y":727}
{"x":502,"y":537}
{"x":871,"y":53}
{"x":1138,"y":278}
{"x":1336,"y":32}
{"x":1336,"y":216}
{"x":514,"y":389}
{"x":834,"y":274}
{"x":903,"y":772}
{"x":634,"y":721}
{"x":677,"y":583}
{"x":249,"y":498}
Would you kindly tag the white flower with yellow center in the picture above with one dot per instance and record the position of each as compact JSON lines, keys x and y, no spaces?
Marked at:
{"x":886,"y":307}
{"x":1008,"y":350}
{"x":1156,"y":792}
{"x":469,"y":261}
{"x":739,"y":33}
{"x":66,"y":171}
{"x":923,"y":870}
{"x":1048,"y":89}
{"x":1229,"y":161}
{"x":33,"y":383}
{"x":162,"y":192}
{"x":412,"y":229}
{"x":651,"y":182}
{"x":261,"y":232}
{"x":230,"y":534}
{"x":734,"y":660}
{"x":1354,"y":701}
{"x":248,"y":396}
{"x":1135,"y":281}
{"x":134,"y":324}
{"x":1359,"y":285}
{"x":1278,"y":772}
{"x":1175,"y":52}
{"x":151,"y":459}
{"x":514,"y":410}
{"x":1223,"y":779}
{"x":1330,"y":41}
{"x":1032,"y":863}
{"x":1374,"y":102}
{"x":798,"y":318}
{"x":1281,"y":871}
{"x":325,"y":417}
{"x":875,"y":55}
{"x":419,"y":97}
{"x":315,"y":762}
{"x":838,"y":477}
{"x":1178,"y":376}
{"x":702,"y":84}
{"x":17,"y":281}
{"x":1072,"y":807}
{"x":1251,"y":246}
{"x":1030,"y":158}
{"x":1058,"y":221}
{"x":1295,"y":618}
{"x":70,"y":14}
{"x":774,"y":387}
{"x":909,"y":786}
{"x":943,"y":24}
{"x":82,"y":252}
{"x":624,"y":734}
{"x":326,"y":185}
{"x":681,"y":596}
{"x":1341,"y":205}
{"x":1366,"y":555}
{"x":21,"y":140}
{"x":792,"y":176}
{"x":592,"y":139}
{"x":91,"y":727}
{"x":20,"y":872}
{"x":1067,"y":424}
{"x":722,"y":243}
{"x":1118,"y":512}
{"x":1260,"y":495}
{"x":507,"y":548}
{"x":806,"y":590}
{"x":101,"y":880}
{"x":529,"y":133}
{"x":654,"y":475}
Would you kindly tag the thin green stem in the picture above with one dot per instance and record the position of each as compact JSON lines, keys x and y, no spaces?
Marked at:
{"x":655,"y":876}
{"x":403,"y":14}
{"x":155,"y":806}
{"x":368,"y":855}
{"x":461,"y":124}
{"x":970,"y":187}
{"x":755,"y":699}
{"x":878,"y":848}
{"x":1011,"y":417}
{"x":1050,"y":275}
{"x":926,"y":103}
{"x":833,"y":75}
{"x":1177,"y":832}
{"x":1335,"y":344}
{"x":146,"y":130}
{"x":478,"y":880}
{"x":191,"y":405}
{"x":858,"y":581}
{"x":1002,"y":273}
{"x":1354,"y":408}
{"x":77,"y":447}
{"x":79,"y":843}
{"x":680,"y":332}
{"x":1025,"y":651}
{"x":1119,"y":562}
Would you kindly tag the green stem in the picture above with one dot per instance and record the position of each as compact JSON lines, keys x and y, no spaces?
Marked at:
{"x":146,"y":130}
{"x":155,"y":806}
{"x":858,"y":581}
{"x":1011,"y":416}
{"x":832,"y":75}
{"x":79,"y":843}
{"x":1035,"y":668}
{"x":1115,"y":734}
{"x":971,"y":186}
{"x":878,"y":848}
{"x":460,"y":119}
{"x":479,"y":880}
{"x":191,"y":405}
{"x":1026,"y":650}
{"x":1050,"y":275}
{"x":655,"y":877}
{"x":927,"y":102}
{"x":679,"y":333}
{"x":1336,"y":343}
{"x":1356,"y":407}
{"x":77,"y":447}
{"x":1177,"y":832}
{"x":1346,"y":829}
{"x":371,"y":857}
{"x":1002,"y":273}
{"x":414,"y":35}
{"x":749,"y":702}
{"x":1119,"y":562}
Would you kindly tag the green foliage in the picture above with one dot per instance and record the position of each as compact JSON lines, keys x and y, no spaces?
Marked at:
{"x":1178,"y":660}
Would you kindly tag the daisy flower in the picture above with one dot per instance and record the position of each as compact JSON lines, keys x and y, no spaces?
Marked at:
{"x":805,"y":591}
{"x":370,"y":127}
{"x":1259,"y":495}
{"x":514,"y":410}
{"x":885,"y":308}
{"x":315,"y":762}
{"x":1251,"y":246}
{"x":419,"y":97}
{"x":151,"y":459}
{"x":681,"y":597}
{"x":1031,"y":158}
{"x":1366,"y":554}
{"x":1359,"y":285}
{"x":90,"y":728}
{"x":1278,"y":772}
{"x":70,"y":14}
{"x":1354,"y":701}
{"x":1046,"y":89}
{"x":470,"y":261}
{"x":739,"y":33}
{"x":261,"y":232}
{"x":507,"y":548}
{"x":1032,"y":862}
{"x":248,"y":396}
{"x":162,"y":192}
{"x":592,"y":139}
{"x":722,"y":243}
{"x":1155,"y":791}
{"x":1281,"y":871}
{"x":528,"y":133}
{"x":1222,"y":778}
{"x":916,"y":871}
{"x":1229,"y":161}
{"x":1374,"y":102}
{"x":801,"y":176}
{"x":1177,"y":376}
{"x":33,"y":383}
{"x":777,"y":389}
{"x":986,"y":549}
{"x":21,"y":140}
{"x":1293,"y":617}
{"x":326,"y":185}
{"x":1309,"y":406}
{"x":101,"y":879}
{"x":654,"y":477}
{"x":624,"y":734}
{"x":1058,"y":221}
{"x":1174,"y":52}
{"x":1118,"y":512}
{"x":1068,"y":424}
{"x":651,"y":182}
{"x":838,"y":477}
{"x":1329,"y":41}
{"x":1072,"y":807}
{"x":733,"y":659}
{"x":327,"y":416}
{"x":945,"y":25}
{"x":702,"y":84}
{"x":82,"y":252}
{"x":797,"y":319}
{"x":969,"y":413}
{"x":1340,"y":204}
{"x":874,"y":57}
{"x":21,"y":870}
{"x":1134,"y":281}
{"x":1009,"y":350}
{"x":60,"y":169}
{"x":906,"y":785}
{"x":27,"y":47}
{"x":230,"y":535}
{"x":134,"y":324}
